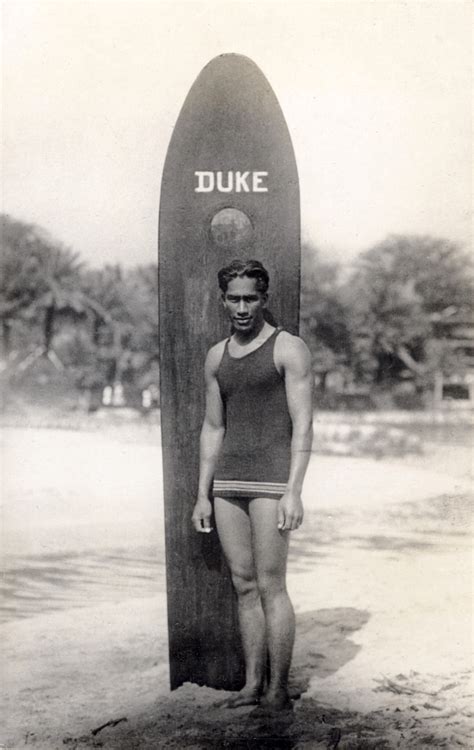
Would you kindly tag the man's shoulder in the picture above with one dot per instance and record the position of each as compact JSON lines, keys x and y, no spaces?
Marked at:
{"x":214,"y":355}
{"x":291,"y":349}
{"x":287,"y":340}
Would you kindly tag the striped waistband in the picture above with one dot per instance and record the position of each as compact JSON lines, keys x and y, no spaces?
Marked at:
{"x":239,"y":488}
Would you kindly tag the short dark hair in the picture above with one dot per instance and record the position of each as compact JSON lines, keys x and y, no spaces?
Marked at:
{"x":238,"y":268}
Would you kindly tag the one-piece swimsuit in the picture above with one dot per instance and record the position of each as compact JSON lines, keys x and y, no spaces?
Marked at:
{"x":255,"y":456}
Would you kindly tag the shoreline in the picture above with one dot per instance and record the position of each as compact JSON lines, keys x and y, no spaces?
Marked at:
{"x":379,"y":574}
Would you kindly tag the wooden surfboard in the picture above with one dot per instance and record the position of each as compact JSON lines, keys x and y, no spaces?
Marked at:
{"x":229,"y":190}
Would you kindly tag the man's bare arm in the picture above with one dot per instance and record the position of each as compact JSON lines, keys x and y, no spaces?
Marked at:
{"x":212,"y":435}
{"x":296,"y":363}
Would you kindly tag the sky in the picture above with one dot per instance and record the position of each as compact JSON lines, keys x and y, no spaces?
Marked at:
{"x":377,"y":97}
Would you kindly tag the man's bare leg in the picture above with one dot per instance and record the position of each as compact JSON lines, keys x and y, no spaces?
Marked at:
{"x":233,"y":526}
{"x":270,"y":551}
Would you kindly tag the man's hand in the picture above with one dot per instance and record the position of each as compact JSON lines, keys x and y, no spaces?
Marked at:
{"x":202,"y":515}
{"x":290,"y":511}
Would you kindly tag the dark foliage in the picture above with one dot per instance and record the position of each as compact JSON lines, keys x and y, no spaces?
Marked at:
{"x":373,"y":326}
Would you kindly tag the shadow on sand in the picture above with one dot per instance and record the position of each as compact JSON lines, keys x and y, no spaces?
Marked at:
{"x":323,"y":644}
{"x":188,"y":718}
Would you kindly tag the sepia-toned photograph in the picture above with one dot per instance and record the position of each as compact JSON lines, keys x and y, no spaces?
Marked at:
{"x":237,"y":375}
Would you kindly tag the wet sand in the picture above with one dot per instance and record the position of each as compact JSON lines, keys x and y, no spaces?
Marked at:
{"x":380,"y":575}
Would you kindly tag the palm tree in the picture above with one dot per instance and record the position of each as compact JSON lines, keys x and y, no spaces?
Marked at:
{"x":59,"y":288}
{"x":40,"y":280}
{"x":18,"y":274}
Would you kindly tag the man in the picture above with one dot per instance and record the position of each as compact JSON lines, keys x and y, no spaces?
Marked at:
{"x":254,"y":450}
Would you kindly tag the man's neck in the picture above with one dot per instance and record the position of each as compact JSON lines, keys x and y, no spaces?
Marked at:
{"x":243,"y":339}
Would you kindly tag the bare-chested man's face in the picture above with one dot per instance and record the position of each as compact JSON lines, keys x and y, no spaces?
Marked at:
{"x":245,"y":305}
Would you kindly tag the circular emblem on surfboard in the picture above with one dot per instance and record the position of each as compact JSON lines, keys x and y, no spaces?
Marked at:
{"x":231,"y":229}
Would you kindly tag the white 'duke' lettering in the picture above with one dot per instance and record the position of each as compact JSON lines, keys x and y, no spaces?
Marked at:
{"x":238,"y":182}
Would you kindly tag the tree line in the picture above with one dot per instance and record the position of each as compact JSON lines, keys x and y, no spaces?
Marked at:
{"x":378,"y":323}
{"x":100,"y":324}
{"x":372,"y":324}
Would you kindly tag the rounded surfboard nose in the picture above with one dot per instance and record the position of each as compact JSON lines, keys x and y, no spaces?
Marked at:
{"x":229,"y":190}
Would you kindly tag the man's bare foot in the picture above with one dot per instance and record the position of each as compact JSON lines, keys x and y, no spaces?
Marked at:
{"x":295,"y":692}
{"x":245,"y":697}
{"x":273,"y":703}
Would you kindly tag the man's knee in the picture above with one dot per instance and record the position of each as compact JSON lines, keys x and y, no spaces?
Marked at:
{"x":271,"y":583}
{"x":244,"y":583}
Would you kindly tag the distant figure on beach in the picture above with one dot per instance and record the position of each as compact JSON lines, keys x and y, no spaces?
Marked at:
{"x":254,"y":450}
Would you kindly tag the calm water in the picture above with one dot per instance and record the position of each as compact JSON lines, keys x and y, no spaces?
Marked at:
{"x":36,"y":584}
{"x":44,"y":583}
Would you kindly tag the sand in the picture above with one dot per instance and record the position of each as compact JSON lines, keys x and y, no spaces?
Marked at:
{"x":380,"y":575}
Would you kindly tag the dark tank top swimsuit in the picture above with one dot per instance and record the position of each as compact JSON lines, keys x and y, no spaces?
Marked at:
{"x":255,"y":456}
